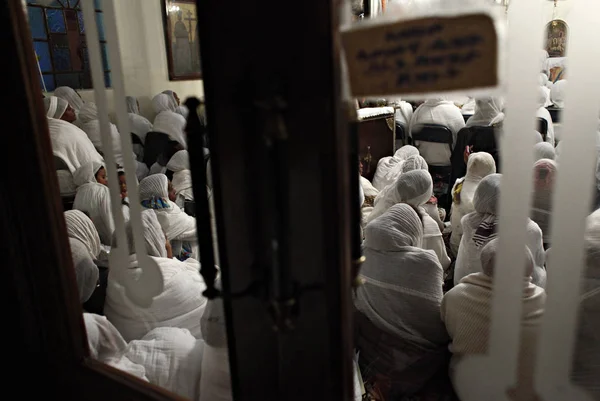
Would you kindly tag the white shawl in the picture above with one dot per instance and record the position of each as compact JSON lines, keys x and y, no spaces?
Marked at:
{"x":182,"y":177}
{"x":387,"y":172}
{"x":162,"y":102}
{"x":181,"y":303}
{"x":86,"y":272}
{"x":544,"y":151}
{"x":94,"y":200}
{"x":466,"y":311}
{"x":171,"y":358}
{"x":139,"y":125}
{"x":485,"y":202}
{"x":71,"y":145}
{"x":72,"y":97}
{"x":479,"y":166}
{"x":108,"y":346}
{"x":87,"y":173}
{"x":488,"y":111}
{"x":172,"y":124}
{"x":402,"y":291}
{"x":81,"y":228}
{"x":558,"y":92}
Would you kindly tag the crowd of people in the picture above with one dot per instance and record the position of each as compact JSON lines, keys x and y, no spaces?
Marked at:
{"x":170,"y":343}
{"x":426,"y":293}
{"x":425,"y":298}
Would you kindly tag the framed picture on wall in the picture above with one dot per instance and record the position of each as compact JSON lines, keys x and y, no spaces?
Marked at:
{"x":182,"y":39}
{"x":556,"y":38}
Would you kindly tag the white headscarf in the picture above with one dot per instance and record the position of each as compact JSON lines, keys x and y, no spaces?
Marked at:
{"x":479,"y":166}
{"x":182,"y":177}
{"x":414,"y":187}
{"x":81,"y":228}
{"x":132,"y":105}
{"x":71,"y":144}
{"x":153,"y":235}
{"x":156,"y":185}
{"x":544,"y":151}
{"x":480,"y":227}
{"x":415,"y":162}
{"x":544,"y":176}
{"x":172,"y":124}
{"x":401,"y":294}
{"x":86,"y":272}
{"x":388,"y":168}
{"x":94,"y":200}
{"x":171,"y":95}
{"x":163,"y":102}
{"x":87,"y":173}
{"x":466,"y":312}
{"x":557,"y":93}
{"x":488,"y":112}
{"x":55,"y":107}
{"x":586,"y":364}
{"x":140,"y":126}
{"x":72,"y":97}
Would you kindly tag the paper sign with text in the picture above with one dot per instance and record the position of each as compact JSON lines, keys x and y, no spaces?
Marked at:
{"x":425,"y":55}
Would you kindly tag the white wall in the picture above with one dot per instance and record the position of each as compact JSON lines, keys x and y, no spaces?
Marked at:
{"x":562,"y":10}
{"x":144,"y":56}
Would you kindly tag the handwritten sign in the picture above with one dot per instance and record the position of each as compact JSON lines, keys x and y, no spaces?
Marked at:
{"x":424,"y":55}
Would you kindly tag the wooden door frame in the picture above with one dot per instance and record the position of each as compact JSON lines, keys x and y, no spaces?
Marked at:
{"x":47,"y":347}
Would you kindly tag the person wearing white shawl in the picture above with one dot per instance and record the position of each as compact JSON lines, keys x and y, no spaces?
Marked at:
{"x":488,"y":112}
{"x":415,"y":188}
{"x":59,"y":109}
{"x":542,"y":112}
{"x":468,"y":109}
{"x":399,"y":330}
{"x":370,"y":193}
{"x":139,"y":125}
{"x":388,"y":168}
{"x":173,"y":98}
{"x":544,"y":150}
{"x":71,"y":96}
{"x":69,"y":144}
{"x":466,"y":312}
{"x":85,"y":248}
{"x":163,"y":102}
{"x":93,"y":199}
{"x":108,"y":346}
{"x":90,"y":124}
{"x":480,"y":227}
{"x":404,"y":111}
{"x":545,"y":89}
{"x":479,"y":166}
{"x":172,"y":124}
{"x":178,"y":226}
{"x":181,"y":303}
{"x":182,"y":177}
{"x":586,"y":361}
{"x":442,"y":112}
{"x":557,"y":93}
{"x":544,"y":176}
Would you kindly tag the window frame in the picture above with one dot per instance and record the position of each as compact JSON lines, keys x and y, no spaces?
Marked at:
{"x":54,"y":72}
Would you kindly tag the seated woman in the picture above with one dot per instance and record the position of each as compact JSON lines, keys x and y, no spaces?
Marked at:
{"x":85,"y":248}
{"x":466,"y":312}
{"x":139,"y":125}
{"x":480,"y":226}
{"x":181,"y":304}
{"x":479,"y":166}
{"x":544,"y":176}
{"x":69,"y":143}
{"x":400,"y":335}
{"x":173,"y":124}
{"x":388,"y":168}
{"x":415,"y":188}
{"x":543,"y":150}
{"x":182,"y":177}
{"x":93,"y":198}
{"x":586,"y":365}
{"x":90,"y":124}
{"x":179,"y":227}
{"x":488,"y":112}
{"x":442,"y":112}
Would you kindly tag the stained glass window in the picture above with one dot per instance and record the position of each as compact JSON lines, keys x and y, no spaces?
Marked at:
{"x":59,"y":42}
